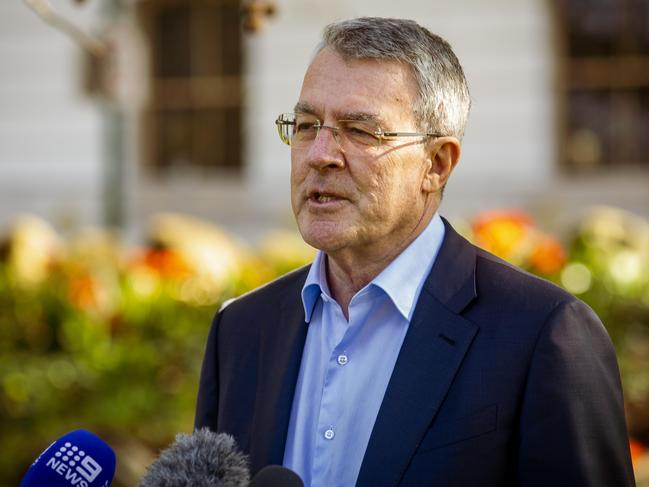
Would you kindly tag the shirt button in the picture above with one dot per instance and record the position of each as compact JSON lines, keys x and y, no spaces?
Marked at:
{"x":342,"y":359}
{"x":329,"y":434}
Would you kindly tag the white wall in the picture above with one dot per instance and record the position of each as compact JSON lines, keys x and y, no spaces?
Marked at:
{"x":50,"y":133}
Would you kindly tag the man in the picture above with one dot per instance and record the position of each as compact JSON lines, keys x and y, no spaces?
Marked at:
{"x":404,"y":355}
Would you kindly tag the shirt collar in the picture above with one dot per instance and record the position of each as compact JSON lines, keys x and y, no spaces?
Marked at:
{"x":401,"y":280}
{"x":404,"y":277}
{"x":315,"y":284}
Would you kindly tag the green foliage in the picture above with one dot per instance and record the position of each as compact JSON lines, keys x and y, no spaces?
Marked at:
{"x":131,"y":372}
{"x":608,"y":268}
{"x":98,"y":336}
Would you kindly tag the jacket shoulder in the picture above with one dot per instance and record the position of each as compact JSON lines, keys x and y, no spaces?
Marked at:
{"x":496,"y":272}
{"x":287,"y":285}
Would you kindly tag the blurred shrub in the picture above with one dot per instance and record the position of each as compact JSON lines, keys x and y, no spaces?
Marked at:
{"x":100,"y":336}
{"x":608,"y":268}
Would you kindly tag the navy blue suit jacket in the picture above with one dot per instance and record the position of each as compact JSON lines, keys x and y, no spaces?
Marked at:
{"x":503,"y":379}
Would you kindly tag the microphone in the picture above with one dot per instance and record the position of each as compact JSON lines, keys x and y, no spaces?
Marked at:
{"x":204,"y":458}
{"x":276,"y":476}
{"x":77,"y":459}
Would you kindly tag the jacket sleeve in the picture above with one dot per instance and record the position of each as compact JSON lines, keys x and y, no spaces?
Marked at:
{"x":572,"y":426}
{"x":208,"y":389}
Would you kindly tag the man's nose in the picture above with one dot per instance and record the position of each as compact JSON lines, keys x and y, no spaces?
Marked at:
{"x":325,"y":150}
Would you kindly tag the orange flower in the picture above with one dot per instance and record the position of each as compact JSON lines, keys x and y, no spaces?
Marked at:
{"x":638,"y":450}
{"x":167,"y":263}
{"x":83,"y":291}
{"x":513,"y":236}
{"x":501,"y":232}
{"x":548,"y":257}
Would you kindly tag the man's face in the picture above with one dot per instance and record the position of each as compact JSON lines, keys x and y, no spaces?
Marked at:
{"x":369,"y":203}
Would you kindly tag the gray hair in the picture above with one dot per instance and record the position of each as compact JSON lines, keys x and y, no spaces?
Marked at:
{"x":443,"y":100}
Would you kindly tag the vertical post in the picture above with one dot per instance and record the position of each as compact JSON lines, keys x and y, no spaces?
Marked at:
{"x":113,"y":147}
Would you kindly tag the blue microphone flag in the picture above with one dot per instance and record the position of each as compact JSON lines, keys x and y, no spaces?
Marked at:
{"x":77,"y":459}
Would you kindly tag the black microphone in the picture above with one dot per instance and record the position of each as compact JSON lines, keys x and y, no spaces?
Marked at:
{"x":276,"y":476}
{"x":204,"y":458}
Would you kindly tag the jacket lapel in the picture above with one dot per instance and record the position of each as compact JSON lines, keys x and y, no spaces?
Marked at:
{"x":435,"y":345}
{"x":281,"y":347}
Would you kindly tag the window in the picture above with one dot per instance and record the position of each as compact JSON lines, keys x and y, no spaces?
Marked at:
{"x":605,"y":79}
{"x":193,"y":122}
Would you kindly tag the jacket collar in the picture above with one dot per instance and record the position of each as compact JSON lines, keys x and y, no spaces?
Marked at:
{"x":432,"y":352}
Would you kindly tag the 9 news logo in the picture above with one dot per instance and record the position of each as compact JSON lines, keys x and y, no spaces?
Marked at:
{"x":78,"y":468}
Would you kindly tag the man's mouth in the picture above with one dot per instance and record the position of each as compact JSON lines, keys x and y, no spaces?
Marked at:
{"x":324,"y":198}
{"x":318,"y":197}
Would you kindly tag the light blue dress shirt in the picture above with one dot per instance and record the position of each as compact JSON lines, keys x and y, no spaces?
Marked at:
{"x":346,"y":365}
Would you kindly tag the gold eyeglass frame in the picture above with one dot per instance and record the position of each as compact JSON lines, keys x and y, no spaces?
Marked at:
{"x":286,"y":120}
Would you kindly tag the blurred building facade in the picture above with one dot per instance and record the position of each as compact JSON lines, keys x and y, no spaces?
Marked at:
{"x":178,"y":115}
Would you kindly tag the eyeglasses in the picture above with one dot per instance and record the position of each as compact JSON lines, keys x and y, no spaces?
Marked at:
{"x":299,"y":130}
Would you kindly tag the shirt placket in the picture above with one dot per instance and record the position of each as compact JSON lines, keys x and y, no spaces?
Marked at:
{"x":329,"y":439}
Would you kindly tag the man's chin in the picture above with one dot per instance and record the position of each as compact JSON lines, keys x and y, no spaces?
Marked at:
{"x":326,"y":237}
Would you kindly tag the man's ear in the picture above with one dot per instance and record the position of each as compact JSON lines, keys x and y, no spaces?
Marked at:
{"x":444,"y":154}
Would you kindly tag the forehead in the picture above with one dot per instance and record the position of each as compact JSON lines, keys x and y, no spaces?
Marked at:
{"x":334,"y":86}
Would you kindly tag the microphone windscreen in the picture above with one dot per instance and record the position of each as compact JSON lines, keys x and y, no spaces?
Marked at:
{"x":77,"y":459}
{"x":276,"y":476}
{"x":205,"y":459}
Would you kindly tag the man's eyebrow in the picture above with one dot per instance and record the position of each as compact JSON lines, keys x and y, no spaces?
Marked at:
{"x":303,"y":107}
{"x":360,"y":116}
